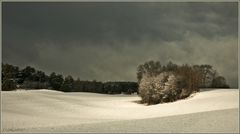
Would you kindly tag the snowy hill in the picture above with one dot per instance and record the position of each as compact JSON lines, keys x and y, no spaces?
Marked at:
{"x":47,"y":110}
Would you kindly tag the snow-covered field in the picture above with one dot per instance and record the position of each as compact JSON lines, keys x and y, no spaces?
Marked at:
{"x":52,"y":111}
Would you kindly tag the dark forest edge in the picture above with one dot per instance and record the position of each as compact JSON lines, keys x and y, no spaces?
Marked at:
{"x":29,"y":78}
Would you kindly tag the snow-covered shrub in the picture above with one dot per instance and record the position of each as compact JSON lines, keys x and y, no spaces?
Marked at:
{"x":165,"y":87}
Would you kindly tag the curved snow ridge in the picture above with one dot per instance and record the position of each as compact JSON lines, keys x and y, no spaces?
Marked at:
{"x":42,"y":108}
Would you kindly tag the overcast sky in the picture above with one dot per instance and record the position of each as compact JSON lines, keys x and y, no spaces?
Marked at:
{"x":107,"y":41}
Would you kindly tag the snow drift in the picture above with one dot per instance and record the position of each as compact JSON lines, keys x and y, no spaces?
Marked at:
{"x":46,"y":110}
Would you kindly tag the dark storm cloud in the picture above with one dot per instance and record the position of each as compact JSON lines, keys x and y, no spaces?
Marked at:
{"x":120,"y":20}
{"x":108,"y":40}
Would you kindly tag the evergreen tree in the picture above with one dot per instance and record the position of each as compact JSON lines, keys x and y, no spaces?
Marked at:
{"x":55,"y":81}
{"x":28,"y":73}
{"x":68,"y":84}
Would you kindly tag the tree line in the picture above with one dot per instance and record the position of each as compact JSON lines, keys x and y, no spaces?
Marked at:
{"x":29,"y":78}
{"x":205,"y":76}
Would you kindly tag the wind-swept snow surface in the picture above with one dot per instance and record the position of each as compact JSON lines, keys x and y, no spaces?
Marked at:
{"x":47,"y":111}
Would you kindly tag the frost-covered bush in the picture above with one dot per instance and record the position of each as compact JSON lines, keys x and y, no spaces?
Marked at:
{"x":165,"y":87}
